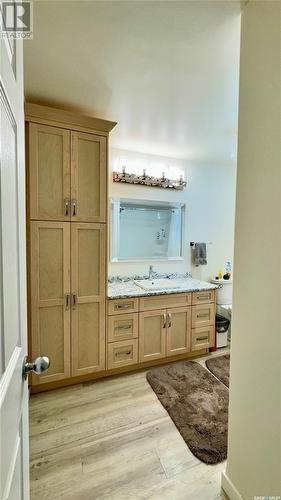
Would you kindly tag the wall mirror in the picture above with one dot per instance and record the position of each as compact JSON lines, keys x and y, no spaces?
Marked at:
{"x":146,"y":230}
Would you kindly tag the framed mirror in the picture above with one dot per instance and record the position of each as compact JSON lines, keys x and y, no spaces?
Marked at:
{"x":146,"y":230}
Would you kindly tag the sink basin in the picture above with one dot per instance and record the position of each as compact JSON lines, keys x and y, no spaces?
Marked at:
{"x":157,"y":284}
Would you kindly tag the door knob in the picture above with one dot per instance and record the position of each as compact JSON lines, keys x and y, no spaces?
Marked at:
{"x":38,"y":366}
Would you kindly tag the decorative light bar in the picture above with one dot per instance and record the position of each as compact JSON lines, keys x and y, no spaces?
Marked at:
{"x":147,"y":180}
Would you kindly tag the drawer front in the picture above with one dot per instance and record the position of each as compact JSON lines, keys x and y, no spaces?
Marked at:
{"x":121,"y":306}
{"x":122,"y":327}
{"x":203,"y":315}
{"x":122,"y":353}
{"x":202,"y":338}
{"x":165,"y":301}
{"x":203,"y":297}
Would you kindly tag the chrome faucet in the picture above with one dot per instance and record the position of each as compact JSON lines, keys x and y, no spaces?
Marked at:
{"x":150,"y":272}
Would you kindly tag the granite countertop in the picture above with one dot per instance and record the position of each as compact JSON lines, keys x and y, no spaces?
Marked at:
{"x":122,"y":288}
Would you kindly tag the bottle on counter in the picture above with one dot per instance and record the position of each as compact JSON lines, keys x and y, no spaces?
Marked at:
{"x":228,"y":267}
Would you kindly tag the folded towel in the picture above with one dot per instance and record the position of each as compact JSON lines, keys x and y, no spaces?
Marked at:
{"x":200,"y":254}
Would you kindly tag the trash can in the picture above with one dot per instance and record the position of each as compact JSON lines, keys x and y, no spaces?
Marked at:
{"x":222,"y":325}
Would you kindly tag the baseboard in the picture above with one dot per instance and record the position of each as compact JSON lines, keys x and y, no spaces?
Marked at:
{"x":229,"y":488}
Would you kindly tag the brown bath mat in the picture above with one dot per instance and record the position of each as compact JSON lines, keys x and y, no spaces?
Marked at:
{"x":198,"y":405}
{"x":219,"y":366}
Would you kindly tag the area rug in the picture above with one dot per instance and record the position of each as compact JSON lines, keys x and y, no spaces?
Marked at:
{"x":198,"y":405}
{"x":219,"y":366}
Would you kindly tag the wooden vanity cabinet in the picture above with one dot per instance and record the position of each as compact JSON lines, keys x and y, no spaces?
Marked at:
{"x":165,"y":326}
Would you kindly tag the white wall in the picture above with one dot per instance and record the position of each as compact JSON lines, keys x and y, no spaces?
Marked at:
{"x":209,"y":197}
{"x":253,"y":466}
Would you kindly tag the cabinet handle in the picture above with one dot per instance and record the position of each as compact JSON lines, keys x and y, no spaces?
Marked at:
{"x":164,"y":320}
{"x":203,"y":315}
{"x":169,"y":320}
{"x":66,"y":301}
{"x":202,"y":338}
{"x":74,"y":300}
{"x":122,"y":306}
{"x":66,"y":206}
{"x":203,"y":297}
{"x":122,"y":354}
{"x":124,"y":327}
{"x":74,"y":208}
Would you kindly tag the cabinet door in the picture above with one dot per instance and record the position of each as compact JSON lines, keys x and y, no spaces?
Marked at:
{"x":152,"y":335}
{"x":88,"y":297}
{"x":178,"y":330}
{"x":50,"y":288}
{"x":88,"y":177}
{"x":49,"y":172}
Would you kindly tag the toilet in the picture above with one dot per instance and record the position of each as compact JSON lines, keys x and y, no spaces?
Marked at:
{"x":224,"y":301}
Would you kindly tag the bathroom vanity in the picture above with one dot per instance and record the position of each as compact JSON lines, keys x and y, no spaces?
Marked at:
{"x":88,"y":329}
{"x":151,"y":326}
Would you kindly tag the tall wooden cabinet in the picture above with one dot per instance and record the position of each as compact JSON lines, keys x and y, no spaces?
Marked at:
{"x":50,"y":296}
{"x":67,"y":214}
{"x":88,"y":297}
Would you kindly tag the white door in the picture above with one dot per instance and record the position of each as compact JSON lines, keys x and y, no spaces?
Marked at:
{"x":14,"y":452}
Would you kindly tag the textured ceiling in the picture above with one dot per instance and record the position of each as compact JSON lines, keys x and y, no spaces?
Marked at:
{"x":167,"y":72}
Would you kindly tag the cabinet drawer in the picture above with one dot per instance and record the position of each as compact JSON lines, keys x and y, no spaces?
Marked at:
{"x":121,"y":306}
{"x":165,"y":301}
{"x":203,"y":297}
{"x":122,"y":327}
{"x":202,"y":338}
{"x":203,"y":315}
{"x":122,"y":353}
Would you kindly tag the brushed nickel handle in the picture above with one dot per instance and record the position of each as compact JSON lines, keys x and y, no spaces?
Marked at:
{"x":169,"y":320}
{"x":203,"y":315}
{"x":122,"y":354}
{"x":74,"y":300}
{"x":122,"y":306}
{"x":164,"y":320}
{"x":202,"y":338}
{"x":203,"y":297}
{"x":74,"y":208}
{"x":124,"y":327}
{"x":38,"y":366}
{"x":67,"y":301}
{"x":66,"y":206}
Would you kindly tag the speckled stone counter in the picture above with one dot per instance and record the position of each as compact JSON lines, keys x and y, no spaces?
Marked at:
{"x":122,"y":288}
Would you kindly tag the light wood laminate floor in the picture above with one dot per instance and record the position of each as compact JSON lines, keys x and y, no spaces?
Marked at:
{"x":112,"y":439}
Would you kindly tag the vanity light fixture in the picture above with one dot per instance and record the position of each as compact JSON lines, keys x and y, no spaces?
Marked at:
{"x":147,"y":180}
